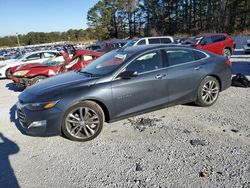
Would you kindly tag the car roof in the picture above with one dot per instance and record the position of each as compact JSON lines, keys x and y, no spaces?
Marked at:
{"x":141,"y":48}
{"x":212,"y":34}
{"x":41,"y":51}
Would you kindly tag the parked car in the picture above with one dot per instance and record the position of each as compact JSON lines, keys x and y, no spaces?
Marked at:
{"x":120,"y":84}
{"x":33,"y":57}
{"x":149,"y":40}
{"x":247,"y":47}
{"x":219,"y":43}
{"x":93,"y":47}
{"x":27,"y":75}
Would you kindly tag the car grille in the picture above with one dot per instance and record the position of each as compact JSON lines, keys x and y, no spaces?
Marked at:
{"x":21,"y":117}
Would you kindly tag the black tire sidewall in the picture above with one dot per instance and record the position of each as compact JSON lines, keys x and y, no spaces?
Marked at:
{"x":37,"y":78}
{"x":199,"y":100}
{"x":91,"y":105}
{"x":7,"y":73}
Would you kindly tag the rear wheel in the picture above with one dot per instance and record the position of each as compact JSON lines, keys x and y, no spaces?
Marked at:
{"x":208,"y":91}
{"x":226,"y":52}
{"x":8,"y":73}
{"x":83,"y":121}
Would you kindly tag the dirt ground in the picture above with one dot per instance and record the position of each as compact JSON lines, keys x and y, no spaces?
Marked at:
{"x":181,"y":146}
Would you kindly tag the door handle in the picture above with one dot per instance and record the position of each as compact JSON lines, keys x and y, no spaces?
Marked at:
{"x":197,"y":68}
{"x":160,"y":76}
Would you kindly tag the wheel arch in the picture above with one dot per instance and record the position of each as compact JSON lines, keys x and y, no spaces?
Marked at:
{"x":103,"y":107}
{"x":228,"y":47}
{"x":216,"y":77}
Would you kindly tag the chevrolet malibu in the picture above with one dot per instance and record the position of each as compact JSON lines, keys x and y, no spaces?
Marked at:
{"x":120,"y":84}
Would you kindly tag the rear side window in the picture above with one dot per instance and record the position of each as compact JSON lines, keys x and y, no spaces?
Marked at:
{"x":218,"y":38}
{"x":154,"y":41}
{"x":199,"y":55}
{"x":179,"y":56}
{"x":141,"y":42}
{"x":165,"y":40}
{"x":34,"y":56}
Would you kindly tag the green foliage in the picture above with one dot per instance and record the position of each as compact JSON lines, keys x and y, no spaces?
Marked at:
{"x":41,"y":37}
{"x":129,"y":18}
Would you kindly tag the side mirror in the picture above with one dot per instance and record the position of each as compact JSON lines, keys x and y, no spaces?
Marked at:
{"x":128,"y":74}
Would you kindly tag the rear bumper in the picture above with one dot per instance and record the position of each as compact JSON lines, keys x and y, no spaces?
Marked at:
{"x":226,"y":80}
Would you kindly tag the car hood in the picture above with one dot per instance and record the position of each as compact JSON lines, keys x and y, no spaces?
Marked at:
{"x":32,"y":65}
{"x":54,"y":86}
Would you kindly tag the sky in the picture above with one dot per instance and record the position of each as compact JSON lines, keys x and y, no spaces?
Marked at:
{"x":23,"y":16}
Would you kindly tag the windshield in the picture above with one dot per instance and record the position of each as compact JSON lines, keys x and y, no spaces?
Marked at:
{"x":54,"y":61}
{"x":105,"y":64}
{"x":130,"y":43}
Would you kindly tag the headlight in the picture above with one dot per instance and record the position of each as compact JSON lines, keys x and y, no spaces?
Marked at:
{"x":41,"y":105}
{"x":21,"y":73}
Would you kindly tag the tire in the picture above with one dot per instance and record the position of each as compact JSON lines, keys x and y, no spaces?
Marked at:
{"x":8,"y":73}
{"x":37,"y":79}
{"x":226,"y":52}
{"x":75,"y":122}
{"x":208,"y":91}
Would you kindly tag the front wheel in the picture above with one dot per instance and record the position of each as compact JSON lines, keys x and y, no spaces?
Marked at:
{"x":37,"y":79}
{"x":8,"y":73}
{"x":208,"y":91}
{"x":83,"y":121}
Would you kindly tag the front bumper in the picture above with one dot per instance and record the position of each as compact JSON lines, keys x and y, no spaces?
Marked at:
{"x":20,"y":82}
{"x":39,"y":123}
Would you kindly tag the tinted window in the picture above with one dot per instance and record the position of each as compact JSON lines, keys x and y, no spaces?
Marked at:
{"x":34,"y":56}
{"x":141,"y":42}
{"x":206,"y":40}
{"x":165,"y":40}
{"x":147,"y":62}
{"x":218,"y":38}
{"x":154,"y":41}
{"x":179,"y":56}
{"x":199,"y":55}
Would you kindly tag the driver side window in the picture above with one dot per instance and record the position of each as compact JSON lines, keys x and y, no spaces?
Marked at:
{"x":33,"y":57}
{"x":147,"y":62}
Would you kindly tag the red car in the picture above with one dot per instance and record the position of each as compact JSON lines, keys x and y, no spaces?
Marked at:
{"x":30,"y":74}
{"x":219,"y":43}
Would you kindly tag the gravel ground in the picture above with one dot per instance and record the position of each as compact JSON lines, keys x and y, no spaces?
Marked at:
{"x":181,"y":146}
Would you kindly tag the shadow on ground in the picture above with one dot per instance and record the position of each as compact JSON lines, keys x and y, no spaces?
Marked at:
{"x":13,"y":87}
{"x":7,"y":175}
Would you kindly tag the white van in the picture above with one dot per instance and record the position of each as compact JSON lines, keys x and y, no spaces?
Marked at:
{"x":150,"y":40}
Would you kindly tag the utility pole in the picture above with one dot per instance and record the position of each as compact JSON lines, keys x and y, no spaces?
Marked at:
{"x":18,"y":43}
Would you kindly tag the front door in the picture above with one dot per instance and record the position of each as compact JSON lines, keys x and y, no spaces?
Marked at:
{"x":146,"y":90}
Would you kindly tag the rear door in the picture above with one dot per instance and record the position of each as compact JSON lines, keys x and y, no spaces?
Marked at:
{"x":148,"y":89}
{"x":184,"y":73}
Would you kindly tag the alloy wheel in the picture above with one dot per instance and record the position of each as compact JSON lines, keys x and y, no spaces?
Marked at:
{"x":82,"y":123}
{"x":210,"y":92}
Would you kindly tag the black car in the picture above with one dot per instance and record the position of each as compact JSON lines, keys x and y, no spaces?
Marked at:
{"x":119,"y":84}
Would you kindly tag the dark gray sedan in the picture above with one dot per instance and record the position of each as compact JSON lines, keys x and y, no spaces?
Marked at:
{"x":119,"y":84}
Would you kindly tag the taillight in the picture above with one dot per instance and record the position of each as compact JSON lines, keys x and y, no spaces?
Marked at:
{"x":229,"y":63}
